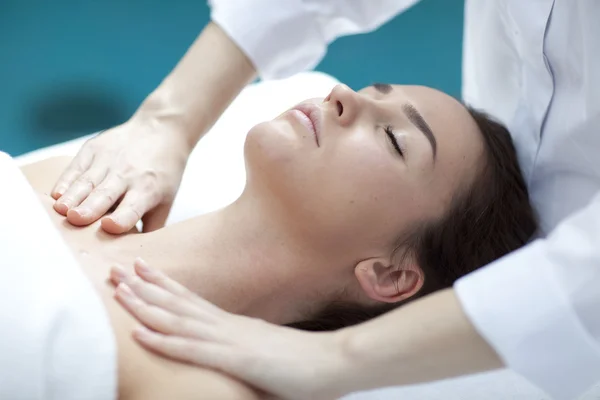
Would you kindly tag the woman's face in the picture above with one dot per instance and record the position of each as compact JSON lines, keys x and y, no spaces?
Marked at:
{"x":355,"y":170}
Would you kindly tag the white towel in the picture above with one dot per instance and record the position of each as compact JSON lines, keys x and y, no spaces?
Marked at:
{"x":56,"y":341}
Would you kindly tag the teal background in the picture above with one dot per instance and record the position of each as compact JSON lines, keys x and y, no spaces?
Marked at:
{"x":69,"y":68}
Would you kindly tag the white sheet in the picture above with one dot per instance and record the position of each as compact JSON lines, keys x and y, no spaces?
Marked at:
{"x":215,"y":176}
{"x":57,"y":342}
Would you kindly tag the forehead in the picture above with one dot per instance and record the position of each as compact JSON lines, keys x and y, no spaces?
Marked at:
{"x":459,"y":140}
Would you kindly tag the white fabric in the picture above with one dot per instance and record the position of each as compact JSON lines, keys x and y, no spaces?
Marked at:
{"x":308,"y":27}
{"x":540,"y":307}
{"x":536,"y":66}
{"x":56,"y":341}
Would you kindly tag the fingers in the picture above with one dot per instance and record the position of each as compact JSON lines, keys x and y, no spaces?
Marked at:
{"x":183,"y":349}
{"x":134,"y":205}
{"x":162,"y":320}
{"x":151,"y":316}
{"x":159,"y":279}
{"x":80,"y":189}
{"x":76,"y":168}
{"x":156,"y":277}
{"x":153,"y":278}
{"x":98,"y":202}
{"x":157,"y":296}
{"x":155,"y":288}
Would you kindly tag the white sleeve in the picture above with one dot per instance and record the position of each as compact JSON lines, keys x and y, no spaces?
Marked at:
{"x":283,"y":37}
{"x":539,"y":307}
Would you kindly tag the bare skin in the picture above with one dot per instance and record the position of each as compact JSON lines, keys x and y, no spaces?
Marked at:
{"x":141,"y":374}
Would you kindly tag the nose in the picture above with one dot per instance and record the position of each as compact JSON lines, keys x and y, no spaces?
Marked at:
{"x":346,"y":104}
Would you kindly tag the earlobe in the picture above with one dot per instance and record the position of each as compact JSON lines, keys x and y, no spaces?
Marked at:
{"x":382,"y":281}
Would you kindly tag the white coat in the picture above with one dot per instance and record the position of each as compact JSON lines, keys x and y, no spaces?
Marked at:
{"x":535,"y":65}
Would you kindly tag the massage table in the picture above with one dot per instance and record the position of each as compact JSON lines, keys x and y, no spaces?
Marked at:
{"x":215,"y":176}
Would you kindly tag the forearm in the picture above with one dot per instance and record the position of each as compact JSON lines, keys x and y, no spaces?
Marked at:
{"x":427,"y":340}
{"x":205,"y":81}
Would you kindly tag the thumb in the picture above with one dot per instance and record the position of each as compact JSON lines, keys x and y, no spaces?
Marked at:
{"x":156,"y":218}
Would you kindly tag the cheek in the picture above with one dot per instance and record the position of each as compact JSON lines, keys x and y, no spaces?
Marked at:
{"x":368,"y":190}
{"x":365,"y":173}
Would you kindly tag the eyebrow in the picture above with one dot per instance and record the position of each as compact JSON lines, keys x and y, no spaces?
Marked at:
{"x":384,"y":88}
{"x":417,"y":120}
{"x":414,"y":116}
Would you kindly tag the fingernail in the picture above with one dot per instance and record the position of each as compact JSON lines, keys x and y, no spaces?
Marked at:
{"x":143,"y":266}
{"x":61,"y":190}
{"x":83,"y":211}
{"x":125,"y":291}
{"x":141,"y":332}
{"x":61,"y":207}
{"x":66,"y":202}
{"x":118,"y":273}
{"x":114,"y":219}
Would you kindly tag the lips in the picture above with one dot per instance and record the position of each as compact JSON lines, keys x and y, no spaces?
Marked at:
{"x":310,"y":116}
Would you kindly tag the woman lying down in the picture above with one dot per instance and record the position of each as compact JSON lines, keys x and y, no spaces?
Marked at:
{"x":353,"y":205}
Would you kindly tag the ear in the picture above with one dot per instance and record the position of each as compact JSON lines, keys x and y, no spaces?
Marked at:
{"x":388,"y":283}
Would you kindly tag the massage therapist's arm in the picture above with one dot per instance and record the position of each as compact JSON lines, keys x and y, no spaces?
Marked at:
{"x":426,"y":340}
{"x":144,"y":158}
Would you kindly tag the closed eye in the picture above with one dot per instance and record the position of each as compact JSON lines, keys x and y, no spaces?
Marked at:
{"x":390,"y":133}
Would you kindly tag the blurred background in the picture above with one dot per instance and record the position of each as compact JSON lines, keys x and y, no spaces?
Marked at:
{"x":69,"y":68}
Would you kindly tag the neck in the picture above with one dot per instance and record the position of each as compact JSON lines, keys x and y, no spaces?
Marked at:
{"x":241,"y":258}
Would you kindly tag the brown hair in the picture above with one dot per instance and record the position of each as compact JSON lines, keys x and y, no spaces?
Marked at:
{"x":488,"y":220}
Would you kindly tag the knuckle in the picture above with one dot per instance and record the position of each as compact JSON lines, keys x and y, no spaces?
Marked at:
{"x":120,"y":174}
{"x":107,"y":193}
{"x":127,"y":169}
{"x":86,"y":180}
{"x":136,"y":212}
{"x":124,"y":171}
{"x":74,"y":170}
{"x":149,"y":181}
{"x":150,"y":174}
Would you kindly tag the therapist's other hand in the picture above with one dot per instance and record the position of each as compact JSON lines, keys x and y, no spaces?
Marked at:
{"x":139,"y":164}
{"x":285,"y":362}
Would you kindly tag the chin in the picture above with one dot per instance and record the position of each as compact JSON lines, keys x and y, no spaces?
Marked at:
{"x":275,"y":156}
{"x":269,"y":143}
{"x":291,"y":176}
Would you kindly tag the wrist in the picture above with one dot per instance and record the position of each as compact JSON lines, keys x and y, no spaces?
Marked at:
{"x":349,"y":367}
{"x":362,"y":364}
{"x":157,"y":126}
{"x":159,"y":113}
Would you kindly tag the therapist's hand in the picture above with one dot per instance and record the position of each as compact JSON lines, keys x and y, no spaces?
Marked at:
{"x":285,"y":362}
{"x":139,"y":164}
